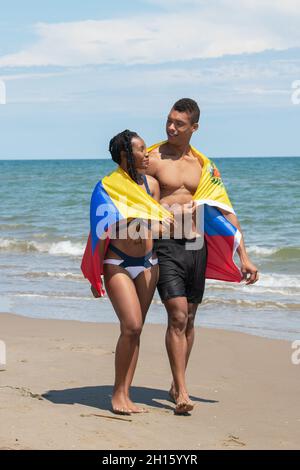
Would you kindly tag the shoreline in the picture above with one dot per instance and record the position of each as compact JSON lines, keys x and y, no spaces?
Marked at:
{"x":288,"y":336}
{"x":55,"y":391}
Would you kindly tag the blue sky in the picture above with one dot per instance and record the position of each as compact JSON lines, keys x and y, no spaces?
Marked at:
{"x":76,"y":73}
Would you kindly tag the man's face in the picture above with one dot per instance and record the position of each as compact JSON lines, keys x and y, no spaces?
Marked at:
{"x":179,"y":127}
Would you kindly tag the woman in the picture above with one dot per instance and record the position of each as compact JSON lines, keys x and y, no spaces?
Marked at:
{"x":130,"y":270}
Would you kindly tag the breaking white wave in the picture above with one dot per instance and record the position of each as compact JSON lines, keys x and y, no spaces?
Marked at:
{"x":65,"y":247}
{"x":277,"y":283}
{"x":262,"y":250}
{"x":257,"y":304}
{"x":278,"y":253}
{"x":56,"y":275}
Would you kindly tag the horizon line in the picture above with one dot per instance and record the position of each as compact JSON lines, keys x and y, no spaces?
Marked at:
{"x":109,"y":159}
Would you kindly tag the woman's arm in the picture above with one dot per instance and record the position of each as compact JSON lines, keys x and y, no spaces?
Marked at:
{"x":101,"y":248}
{"x":154,"y":187}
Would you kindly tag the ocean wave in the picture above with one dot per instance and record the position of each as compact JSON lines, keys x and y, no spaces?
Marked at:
{"x":53,"y":296}
{"x":257,"y":304}
{"x":58,"y":275}
{"x":71,"y":248}
{"x":284,"y":284}
{"x":278,"y":280}
{"x":65,"y":247}
{"x":40,"y":235}
{"x":13,"y":226}
{"x":261,"y":250}
{"x":282,"y":253}
{"x":210,"y":301}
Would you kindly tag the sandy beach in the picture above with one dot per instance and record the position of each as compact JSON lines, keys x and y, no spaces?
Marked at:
{"x":55,"y":392}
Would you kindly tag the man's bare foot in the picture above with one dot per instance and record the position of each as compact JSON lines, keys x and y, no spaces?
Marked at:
{"x":183,"y":405}
{"x":182,"y":408}
{"x":119,"y":405}
{"x":121,"y":411}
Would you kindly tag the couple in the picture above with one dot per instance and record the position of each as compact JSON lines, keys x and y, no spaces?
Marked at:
{"x":166,"y":175}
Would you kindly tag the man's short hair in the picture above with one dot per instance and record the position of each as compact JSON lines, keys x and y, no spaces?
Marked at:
{"x":189,"y":106}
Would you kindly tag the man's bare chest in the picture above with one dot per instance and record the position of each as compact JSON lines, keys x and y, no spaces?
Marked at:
{"x":173,"y":175}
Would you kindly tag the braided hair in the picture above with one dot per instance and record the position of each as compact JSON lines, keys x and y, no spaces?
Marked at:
{"x":122,"y":142}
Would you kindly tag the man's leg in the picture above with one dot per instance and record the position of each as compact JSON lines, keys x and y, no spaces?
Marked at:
{"x":190,"y":336}
{"x":195,"y":291}
{"x":190,"y":330}
{"x":174,"y":261}
{"x":177,"y":348}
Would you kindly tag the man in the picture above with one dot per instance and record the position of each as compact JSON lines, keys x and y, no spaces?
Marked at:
{"x":182,"y":271}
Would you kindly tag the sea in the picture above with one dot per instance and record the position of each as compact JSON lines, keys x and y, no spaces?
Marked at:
{"x":44,"y":225}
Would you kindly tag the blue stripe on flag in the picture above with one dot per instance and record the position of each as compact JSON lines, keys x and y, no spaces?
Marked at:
{"x":103,"y":213}
{"x":215,"y":223}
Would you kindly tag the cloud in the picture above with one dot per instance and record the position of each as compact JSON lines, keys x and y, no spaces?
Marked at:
{"x":288,"y":6}
{"x":204,"y":30}
{"x":33,"y":76}
{"x":266,"y":91}
{"x":255,"y":80}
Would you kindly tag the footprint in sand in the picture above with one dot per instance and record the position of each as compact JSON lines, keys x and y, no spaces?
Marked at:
{"x":89,"y":349}
{"x":24,"y":392}
{"x":81,"y":348}
{"x":232,"y":440}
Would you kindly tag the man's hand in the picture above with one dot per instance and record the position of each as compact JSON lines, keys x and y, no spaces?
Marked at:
{"x":187,"y":209}
{"x":250,"y":272}
{"x":95,"y":292}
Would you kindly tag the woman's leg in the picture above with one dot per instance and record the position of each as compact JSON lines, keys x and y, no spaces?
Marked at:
{"x":122,"y":293}
{"x":145,"y":284}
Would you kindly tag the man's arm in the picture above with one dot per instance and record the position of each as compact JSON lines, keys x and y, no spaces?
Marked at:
{"x":249,"y":270}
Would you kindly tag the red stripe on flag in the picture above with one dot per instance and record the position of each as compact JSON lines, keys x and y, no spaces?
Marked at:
{"x":220,"y":264}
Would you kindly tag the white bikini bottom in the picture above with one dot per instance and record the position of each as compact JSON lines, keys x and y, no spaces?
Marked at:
{"x":133,"y":271}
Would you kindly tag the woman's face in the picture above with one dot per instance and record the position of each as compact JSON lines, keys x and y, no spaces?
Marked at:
{"x":140,"y":154}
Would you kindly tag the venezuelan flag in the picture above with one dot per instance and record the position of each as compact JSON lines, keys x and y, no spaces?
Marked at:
{"x":118,"y":197}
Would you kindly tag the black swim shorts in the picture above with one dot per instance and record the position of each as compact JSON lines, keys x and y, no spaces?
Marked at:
{"x":181,"y":270}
